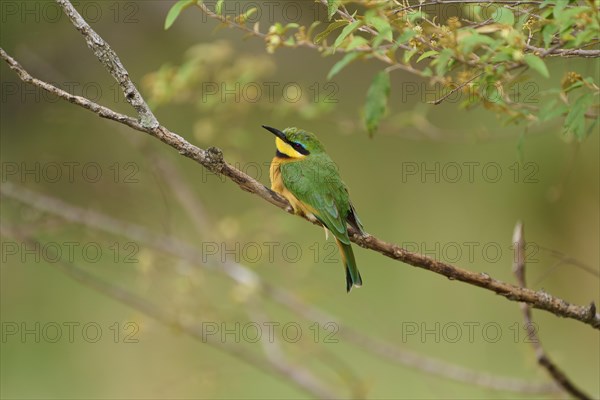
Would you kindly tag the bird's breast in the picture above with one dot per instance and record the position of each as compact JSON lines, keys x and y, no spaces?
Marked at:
{"x":278,"y":186}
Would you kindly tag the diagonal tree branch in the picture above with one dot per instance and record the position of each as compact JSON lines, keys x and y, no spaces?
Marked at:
{"x":212,"y":159}
{"x":542,"y":358}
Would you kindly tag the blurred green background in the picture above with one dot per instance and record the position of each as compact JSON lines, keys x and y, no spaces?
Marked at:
{"x":551,"y":185}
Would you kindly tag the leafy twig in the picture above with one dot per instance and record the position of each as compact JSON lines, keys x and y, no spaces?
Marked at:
{"x":490,"y":2}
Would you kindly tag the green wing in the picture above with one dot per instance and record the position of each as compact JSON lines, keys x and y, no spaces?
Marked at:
{"x":317,"y":183}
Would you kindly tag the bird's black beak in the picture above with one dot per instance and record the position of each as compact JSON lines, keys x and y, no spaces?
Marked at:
{"x":276,"y":132}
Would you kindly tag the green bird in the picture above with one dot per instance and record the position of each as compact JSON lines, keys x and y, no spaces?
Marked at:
{"x":305,"y":175}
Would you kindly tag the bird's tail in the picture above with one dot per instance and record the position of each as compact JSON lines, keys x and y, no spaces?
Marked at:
{"x":353,"y":277}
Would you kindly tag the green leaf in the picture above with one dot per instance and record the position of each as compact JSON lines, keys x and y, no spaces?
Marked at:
{"x":345,"y":32}
{"x":558,"y":9}
{"x":548,"y":32}
{"x":219,"y":7}
{"x":536,"y":63}
{"x":574,"y":86}
{"x":338,"y":66}
{"x":409,"y":54}
{"x":384,"y":35}
{"x":332,"y":7}
{"x":427,"y":54}
{"x":524,"y":17}
{"x":575,"y":120}
{"x":416,"y":15}
{"x":175,"y":10}
{"x":406,"y":36}
{"x":242,"y":18}
{"x":381,"y":25}
{"x":470,"y":42}
{"x":585,"y":36}
{"x":501,"y":57}
{"x":503,"y":16}
{"x":377,"y":99}
{"x":312,"y":28}
{"x":551,"y":110}
{"x":441,"y":63}
{"x":330,"y":28}
{"x":592,"y":125}
{"x":356,"y":42}
{"x":566,"y":18}
{"x":547,"y":3}
{"x":291,"y":25}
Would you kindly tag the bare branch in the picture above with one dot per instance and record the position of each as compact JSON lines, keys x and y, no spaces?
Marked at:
{"x":80,"y":101}
{"x":542,"y":358}
{"x":228,"y":21}
{"x":111,"y":62}
{"x":537,"y":299}
{"x":555,"y":51}
{"x":456,"y":89}
{"x":444,"y":2}
{"x":213,"y":160}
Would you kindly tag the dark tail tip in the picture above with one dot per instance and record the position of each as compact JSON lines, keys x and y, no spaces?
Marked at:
{"x":350,"y":283}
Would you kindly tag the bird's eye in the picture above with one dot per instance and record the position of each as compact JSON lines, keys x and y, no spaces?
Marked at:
{"x":298,"y":146}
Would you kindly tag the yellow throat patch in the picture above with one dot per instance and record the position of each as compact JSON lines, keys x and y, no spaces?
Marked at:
{"x":286,"y":149}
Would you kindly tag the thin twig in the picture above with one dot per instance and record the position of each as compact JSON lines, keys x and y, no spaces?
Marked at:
{"x":567,"y":259}
{"x":459,"y":87}
{"x":212,"y":159}
{"x":542,"y":358}
{"x":229,"y":21}
{"x":489,"y":2}
{"x":556,"y":51}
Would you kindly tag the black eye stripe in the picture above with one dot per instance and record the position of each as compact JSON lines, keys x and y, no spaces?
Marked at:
{"x":300,"y":148}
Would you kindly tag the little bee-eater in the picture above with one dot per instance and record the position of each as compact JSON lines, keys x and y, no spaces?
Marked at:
{"x":305,"y":175}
